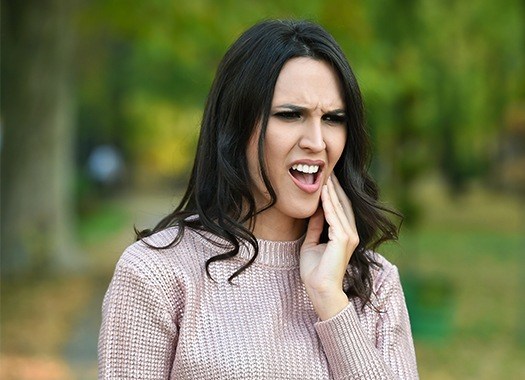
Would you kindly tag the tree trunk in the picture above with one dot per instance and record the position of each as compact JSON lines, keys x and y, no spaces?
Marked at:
{"x":37,"y":148}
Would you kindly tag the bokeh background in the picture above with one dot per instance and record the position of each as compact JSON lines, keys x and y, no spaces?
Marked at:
{"x":100,"y":108}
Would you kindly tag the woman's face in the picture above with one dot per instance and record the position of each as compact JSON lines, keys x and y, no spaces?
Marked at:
{"x":305,"y":136}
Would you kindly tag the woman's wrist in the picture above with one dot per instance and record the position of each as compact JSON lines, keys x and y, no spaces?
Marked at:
{"x":328,"y":304}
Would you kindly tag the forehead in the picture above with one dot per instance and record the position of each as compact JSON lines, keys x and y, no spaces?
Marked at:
{"x":308,"y":82}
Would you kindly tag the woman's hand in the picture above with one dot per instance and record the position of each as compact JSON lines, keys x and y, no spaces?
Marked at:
{"x":323,"y":266}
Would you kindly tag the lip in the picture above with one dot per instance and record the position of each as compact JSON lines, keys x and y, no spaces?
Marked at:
{"x":310,"y":189}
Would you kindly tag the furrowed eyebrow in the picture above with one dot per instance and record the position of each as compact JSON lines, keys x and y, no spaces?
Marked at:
{"x":337,"y":112}
{"x":292,"y":107}
{"x":296,"y":108}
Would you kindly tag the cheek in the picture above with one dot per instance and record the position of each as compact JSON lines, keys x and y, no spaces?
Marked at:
{"x":276,"y":148}
{"x":337,"y":150}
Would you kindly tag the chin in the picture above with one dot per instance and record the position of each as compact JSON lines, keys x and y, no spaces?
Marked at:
{"x":302,"y":212}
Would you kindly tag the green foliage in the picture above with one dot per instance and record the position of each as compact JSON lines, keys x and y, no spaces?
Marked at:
{"x":101,"y":222}
{"x":437,"y":76}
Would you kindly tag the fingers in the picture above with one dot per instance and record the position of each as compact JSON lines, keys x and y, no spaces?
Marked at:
{"x":337,"y":254}
{"x":340,"y":192}
{"x":339,"y":213}
{"x":340,"y":209}
{"x":344,"y":200}
{"x":336,"y":229}
{"x":315,"y":228}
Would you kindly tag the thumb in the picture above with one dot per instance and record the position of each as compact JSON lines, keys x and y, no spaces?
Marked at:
{"x":315,"y":228}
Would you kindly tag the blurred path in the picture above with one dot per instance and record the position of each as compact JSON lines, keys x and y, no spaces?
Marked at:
{"x":80,"y":352}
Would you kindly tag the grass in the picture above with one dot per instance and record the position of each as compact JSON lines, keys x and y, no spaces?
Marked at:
{"x":474,"y":244}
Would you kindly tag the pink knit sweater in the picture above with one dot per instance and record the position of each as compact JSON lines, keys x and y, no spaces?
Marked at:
{"x":163,"y":318}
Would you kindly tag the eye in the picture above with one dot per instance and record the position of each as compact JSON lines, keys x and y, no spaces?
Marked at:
{"x":288,"y":115}
{"x":335,"y":118}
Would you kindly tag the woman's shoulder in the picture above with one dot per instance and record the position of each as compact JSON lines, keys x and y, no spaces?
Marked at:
{"x":167,"y":251}
{"x":384,"y":272}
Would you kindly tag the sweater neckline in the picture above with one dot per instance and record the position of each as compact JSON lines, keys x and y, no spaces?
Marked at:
{"x":277,"y":254}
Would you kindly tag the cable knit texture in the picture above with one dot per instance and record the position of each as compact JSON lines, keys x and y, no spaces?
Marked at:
{"x":163,"y":318}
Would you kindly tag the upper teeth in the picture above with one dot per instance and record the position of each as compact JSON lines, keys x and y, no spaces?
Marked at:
{"x":306,"y":168}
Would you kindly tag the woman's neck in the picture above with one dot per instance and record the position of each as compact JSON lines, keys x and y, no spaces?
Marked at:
{"x":267,"y":227}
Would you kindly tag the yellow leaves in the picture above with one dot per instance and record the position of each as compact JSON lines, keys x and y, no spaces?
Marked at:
{"x":163,"y":136}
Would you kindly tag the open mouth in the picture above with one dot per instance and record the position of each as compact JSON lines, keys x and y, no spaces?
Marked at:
{"x":306,"y":174}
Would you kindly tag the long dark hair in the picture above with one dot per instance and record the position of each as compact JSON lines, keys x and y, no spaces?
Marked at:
{"x":240,"y":99}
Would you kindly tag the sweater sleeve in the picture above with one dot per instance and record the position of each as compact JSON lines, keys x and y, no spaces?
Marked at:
{"x":350,"y":352}
{"x":138,"y":334}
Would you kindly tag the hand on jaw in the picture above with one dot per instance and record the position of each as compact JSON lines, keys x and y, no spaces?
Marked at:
{"x":323,"y":265}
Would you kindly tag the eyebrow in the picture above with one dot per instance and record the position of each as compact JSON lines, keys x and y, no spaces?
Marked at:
{"x":296,"y":108}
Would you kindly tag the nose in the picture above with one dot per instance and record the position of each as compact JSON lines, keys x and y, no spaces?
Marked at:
{"x":312,"y":138}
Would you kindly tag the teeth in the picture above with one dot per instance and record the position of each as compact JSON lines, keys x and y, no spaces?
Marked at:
{"x":306,"y":168}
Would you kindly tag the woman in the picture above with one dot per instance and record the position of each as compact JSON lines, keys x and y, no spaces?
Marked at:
{"x":267,"y":269}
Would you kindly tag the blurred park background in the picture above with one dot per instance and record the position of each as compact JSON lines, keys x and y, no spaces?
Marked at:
{"x":100,"y":109}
